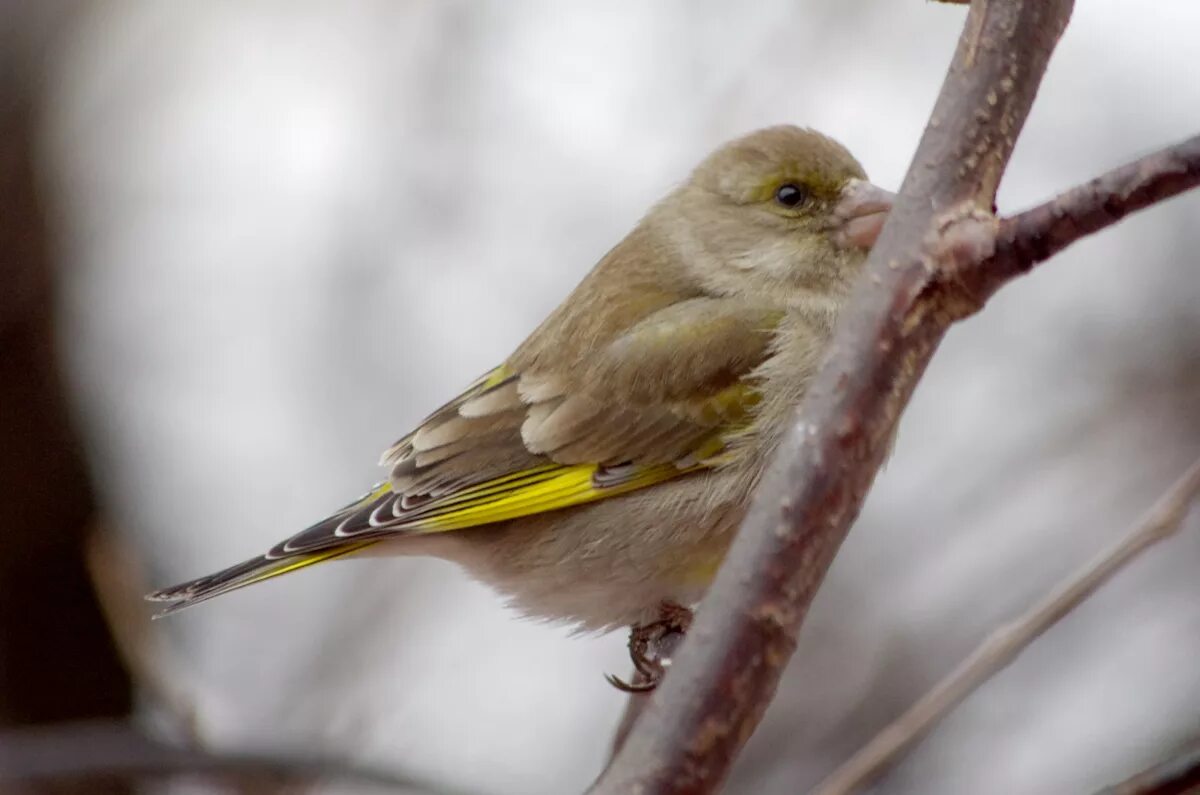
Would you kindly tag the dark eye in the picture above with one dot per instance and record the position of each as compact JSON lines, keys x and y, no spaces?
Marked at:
{"x":791,"y":195}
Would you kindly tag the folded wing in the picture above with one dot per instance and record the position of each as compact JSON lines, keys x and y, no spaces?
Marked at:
{"x":654,"y":403}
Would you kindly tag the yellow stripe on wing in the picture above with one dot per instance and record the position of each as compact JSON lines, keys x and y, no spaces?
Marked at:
{"x":571,"y":485}
{"x":289,"y":565}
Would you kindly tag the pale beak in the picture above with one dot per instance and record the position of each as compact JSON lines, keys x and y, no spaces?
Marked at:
{"x":860,"y":213}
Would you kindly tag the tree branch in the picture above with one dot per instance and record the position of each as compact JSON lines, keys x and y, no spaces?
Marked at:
{"x":1035,"y":235}
{"x":1003,"y":645}
{"x":746,"y":629}
{"x":1179,"y":775}
{"x":75,"y":751}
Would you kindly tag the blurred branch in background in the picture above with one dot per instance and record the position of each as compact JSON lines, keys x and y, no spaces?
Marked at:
{"x":57,"y":661}
{"x":79,"y":755}
{"x":84,"y":754}
{"x":1003,"y":646}
{"x":1179,"y":775}
{"x":119,"y":581}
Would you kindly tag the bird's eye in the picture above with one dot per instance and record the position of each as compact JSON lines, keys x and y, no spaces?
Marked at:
{"x":791,"y":195}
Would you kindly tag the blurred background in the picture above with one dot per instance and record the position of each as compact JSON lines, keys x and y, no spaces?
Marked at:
{"x":245,"y":245}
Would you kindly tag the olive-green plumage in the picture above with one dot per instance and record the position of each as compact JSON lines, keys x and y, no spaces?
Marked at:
{"x":602,"y":469}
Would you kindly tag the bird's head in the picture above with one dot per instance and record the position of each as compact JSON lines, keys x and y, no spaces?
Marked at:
{"x":783,"y":211}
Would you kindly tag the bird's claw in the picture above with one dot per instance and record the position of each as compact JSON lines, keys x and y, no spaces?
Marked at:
{"x":646,"y":648}
{"x":631,"y":687}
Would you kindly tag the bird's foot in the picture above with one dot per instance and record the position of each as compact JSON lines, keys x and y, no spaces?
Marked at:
{"x":651,"y":647}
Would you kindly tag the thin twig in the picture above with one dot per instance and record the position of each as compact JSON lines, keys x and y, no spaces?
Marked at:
{"x":79,"y":751}
{"x":1005,"y":643}
{"x":1178,"y":775}
{"x":746,"y":629}
{"x":118,"y":580}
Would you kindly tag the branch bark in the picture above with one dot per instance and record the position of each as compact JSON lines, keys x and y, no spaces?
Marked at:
{"x":1003,"y":646}
{"x":1037,"y":234}
{"x":746,"y":629}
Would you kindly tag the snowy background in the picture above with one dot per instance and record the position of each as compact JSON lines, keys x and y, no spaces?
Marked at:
{"x":288,"y":230}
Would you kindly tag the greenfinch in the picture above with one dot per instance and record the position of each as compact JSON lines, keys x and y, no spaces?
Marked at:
{"x":601,"y":471}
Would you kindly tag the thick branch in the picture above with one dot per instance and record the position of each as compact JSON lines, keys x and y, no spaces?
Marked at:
{"x":746,"y":629}
{"x":1003,"y":646}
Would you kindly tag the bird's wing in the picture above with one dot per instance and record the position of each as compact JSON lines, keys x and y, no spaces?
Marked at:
{"x":655,"y":402}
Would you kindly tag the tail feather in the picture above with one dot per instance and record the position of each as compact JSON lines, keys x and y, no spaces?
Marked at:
{"x":245,"y":573}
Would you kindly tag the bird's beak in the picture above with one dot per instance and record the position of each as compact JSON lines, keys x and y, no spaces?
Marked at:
{"x":860,"y":213}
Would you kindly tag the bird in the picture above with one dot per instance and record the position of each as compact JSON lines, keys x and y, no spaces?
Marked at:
{"x":597,"y":476}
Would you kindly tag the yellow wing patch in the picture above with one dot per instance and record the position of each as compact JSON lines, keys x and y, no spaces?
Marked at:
{"x":536,"y":491}
{"x":288,"y":565}
{"x":533,"y":488}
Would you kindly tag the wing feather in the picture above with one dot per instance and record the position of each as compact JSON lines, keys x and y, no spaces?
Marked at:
{"x":654,"y":403}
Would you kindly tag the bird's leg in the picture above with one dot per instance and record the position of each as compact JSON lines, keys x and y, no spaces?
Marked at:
{"x":652,"y":645}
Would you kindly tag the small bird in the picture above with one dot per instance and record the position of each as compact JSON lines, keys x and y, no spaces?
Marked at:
{"x":597,"y":476}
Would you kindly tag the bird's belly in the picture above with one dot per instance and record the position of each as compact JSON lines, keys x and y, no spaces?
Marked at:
{"x":610,"y":563}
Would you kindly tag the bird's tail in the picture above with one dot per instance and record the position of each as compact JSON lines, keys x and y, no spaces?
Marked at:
{"x":246,"y":573}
